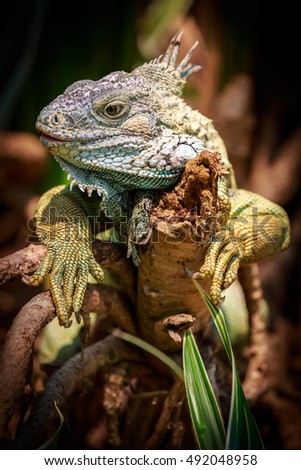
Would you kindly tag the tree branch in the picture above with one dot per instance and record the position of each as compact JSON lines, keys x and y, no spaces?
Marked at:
{"x":62,"y":383}
{"x":31,"y":319}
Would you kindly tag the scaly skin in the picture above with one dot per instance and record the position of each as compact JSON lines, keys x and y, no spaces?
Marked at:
{"x":256,"y":229}
{"x":62,"y":225}
{"x":119,"y":139}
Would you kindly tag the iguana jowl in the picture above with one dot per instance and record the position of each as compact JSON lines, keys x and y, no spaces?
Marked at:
{"x":119,"y":139}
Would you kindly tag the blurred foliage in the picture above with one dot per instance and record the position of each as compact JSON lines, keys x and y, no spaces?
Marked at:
{"x":158,"y":21}
{"x":47,"y":46}
{"x":73,"y":43}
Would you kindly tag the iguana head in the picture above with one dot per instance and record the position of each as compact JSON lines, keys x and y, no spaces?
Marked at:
{"x":130,"y":128}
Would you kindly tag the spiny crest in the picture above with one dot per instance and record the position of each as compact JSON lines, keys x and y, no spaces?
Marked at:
{"x":164,"y":69}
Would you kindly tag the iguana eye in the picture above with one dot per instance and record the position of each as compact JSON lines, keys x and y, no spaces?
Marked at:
{"x":111,"y":110}
{"x":115,"y":109}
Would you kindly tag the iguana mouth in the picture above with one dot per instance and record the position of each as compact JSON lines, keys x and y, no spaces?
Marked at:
{"x":90,"y":179}
{"x":49,"y":138}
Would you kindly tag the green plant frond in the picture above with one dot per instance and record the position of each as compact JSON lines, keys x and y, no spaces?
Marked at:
{"x":242,"y":429}
{"x":242,"y":432}
{"x":150,"y":349}
{"x":204,"y":410}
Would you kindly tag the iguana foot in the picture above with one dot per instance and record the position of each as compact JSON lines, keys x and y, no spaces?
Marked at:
{"x":68,"y":271}
{"x":221,"y":263}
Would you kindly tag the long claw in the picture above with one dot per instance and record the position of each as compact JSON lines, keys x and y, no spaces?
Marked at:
{"x":55,"y":280}
{"x":221,"y":263}
{"x":208,"y":268}
{"x":231,"y":273}
{"x":80,"y":289}
{"x":69,"y":284}
{"x":68,"y":278}
{"x":223,"y":270}
{"x":96,"y":271}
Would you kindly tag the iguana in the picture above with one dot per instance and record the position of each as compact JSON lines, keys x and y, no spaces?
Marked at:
{"x":121,"y":139}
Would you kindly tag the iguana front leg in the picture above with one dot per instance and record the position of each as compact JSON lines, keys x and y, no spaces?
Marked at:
{"x":256,"y":229}
{"x":62,"y":224}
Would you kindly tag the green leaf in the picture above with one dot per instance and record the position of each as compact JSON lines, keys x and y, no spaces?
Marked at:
{"x":204,"y":410}
{"x":150,"y":349}
{"x":50,"y":444}
{"x":242,"y":430}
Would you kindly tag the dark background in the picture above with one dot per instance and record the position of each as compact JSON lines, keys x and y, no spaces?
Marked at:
{"x":249,"y":85}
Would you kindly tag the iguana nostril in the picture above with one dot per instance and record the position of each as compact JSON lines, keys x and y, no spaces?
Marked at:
{"x":56,"y":119}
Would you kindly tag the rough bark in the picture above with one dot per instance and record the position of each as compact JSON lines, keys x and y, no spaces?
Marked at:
{"x":180,"y":234}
